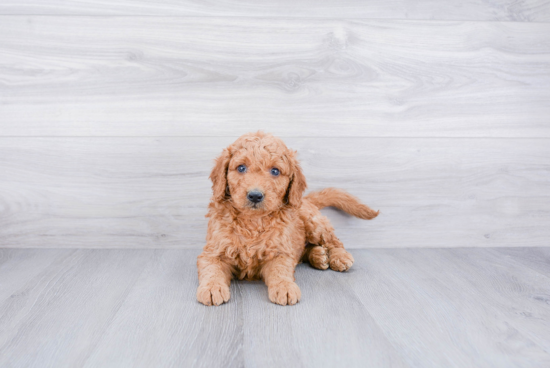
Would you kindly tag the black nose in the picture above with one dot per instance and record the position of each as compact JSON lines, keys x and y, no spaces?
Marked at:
{"x":255,"y":197}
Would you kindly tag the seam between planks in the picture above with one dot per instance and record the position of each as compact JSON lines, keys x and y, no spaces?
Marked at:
{"x":272,"y":18}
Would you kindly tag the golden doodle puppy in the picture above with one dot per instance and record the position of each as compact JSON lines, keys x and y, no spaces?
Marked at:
{"x":261,"y":227}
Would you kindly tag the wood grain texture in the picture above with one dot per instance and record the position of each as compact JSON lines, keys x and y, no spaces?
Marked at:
{"x":507,"y":10}
{"x":33,"y":262}
{"x":169,"y":76}
{"x":394,"y":308}
{"x":474,"y":305}
{"x":153,"y":192}
{"x":57,"y":318}
{"x":351,"y":338}
{"x":162,"y":317}
{"x":538,"y":259}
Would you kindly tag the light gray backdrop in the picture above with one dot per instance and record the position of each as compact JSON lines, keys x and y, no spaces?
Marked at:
{"x":111,"y":114}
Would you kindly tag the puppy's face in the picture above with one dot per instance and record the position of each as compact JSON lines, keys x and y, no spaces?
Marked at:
{"x":259,"y":174}
{"x":258,"y":178}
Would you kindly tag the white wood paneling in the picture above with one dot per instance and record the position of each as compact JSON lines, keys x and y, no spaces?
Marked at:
{"x":166,"y":76}
{"x":487,"y":10}
{"x":153,"y":192}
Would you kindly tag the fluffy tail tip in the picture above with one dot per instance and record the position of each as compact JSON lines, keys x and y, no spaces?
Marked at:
{"x":369,"y":214}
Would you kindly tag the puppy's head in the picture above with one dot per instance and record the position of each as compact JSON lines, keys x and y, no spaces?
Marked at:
{"x":258,"y":174}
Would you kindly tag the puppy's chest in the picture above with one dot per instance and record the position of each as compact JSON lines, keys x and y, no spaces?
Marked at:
{"x":257,"y":245}
{"x":252,"y":249}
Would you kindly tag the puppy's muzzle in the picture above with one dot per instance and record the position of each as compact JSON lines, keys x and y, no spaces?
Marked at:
{"x":255,"y":196}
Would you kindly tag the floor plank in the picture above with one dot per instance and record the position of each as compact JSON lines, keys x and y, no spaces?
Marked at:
{"x":57,"y":318}
{"x":536,"y":259}
{"x":443,"y":297}
{"x":522,"y":292}
{"x":153,"y":192}
{"x":172,"y":328}
{"x":32,"y":262}
{"x":169,"y":76}
{"x":294,"y":336}
{"x":394,"y":308}
{"x":518,"y":11}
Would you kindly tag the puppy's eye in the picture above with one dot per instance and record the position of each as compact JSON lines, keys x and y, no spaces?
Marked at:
{"x":275,"y":171}
{"x":241,"y":168}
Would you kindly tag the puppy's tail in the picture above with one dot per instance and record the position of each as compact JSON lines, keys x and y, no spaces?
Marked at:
{"x":343,"y":201}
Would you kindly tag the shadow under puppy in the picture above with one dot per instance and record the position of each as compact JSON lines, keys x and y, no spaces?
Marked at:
{"x":261,"y":227}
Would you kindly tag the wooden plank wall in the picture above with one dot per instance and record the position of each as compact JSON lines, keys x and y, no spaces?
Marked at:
{"x":436,"y":113}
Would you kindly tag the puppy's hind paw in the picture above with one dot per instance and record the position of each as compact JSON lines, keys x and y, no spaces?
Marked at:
{"x":318,"y":258}
{"x":340,"y":260}
{"x":213,"y":294}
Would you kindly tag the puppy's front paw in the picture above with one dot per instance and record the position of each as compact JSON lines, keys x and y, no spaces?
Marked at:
{"x":284,"y":293}
{"x":213,"y":293}
{"x":340,"y":260}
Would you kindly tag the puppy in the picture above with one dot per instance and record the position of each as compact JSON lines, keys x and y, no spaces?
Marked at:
{"x":261,"y":227}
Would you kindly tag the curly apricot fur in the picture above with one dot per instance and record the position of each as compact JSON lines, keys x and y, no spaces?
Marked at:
{"x":268,"y":239}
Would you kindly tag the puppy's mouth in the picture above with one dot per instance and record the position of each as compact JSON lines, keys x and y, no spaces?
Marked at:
{"x":255,"y":206}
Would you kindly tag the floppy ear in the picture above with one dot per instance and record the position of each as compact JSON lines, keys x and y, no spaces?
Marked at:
{"x":219,"y":176}
{"x":297,"y":185}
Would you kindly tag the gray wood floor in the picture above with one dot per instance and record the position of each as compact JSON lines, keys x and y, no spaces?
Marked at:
{"x":469,"y":307}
